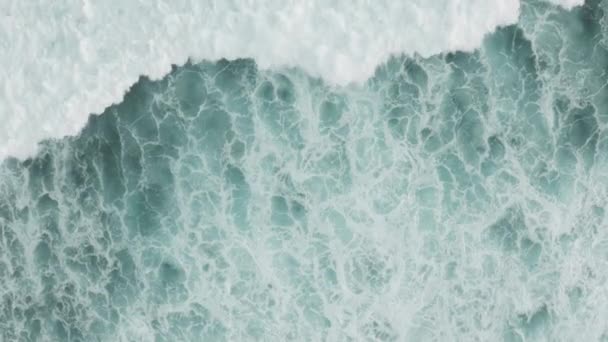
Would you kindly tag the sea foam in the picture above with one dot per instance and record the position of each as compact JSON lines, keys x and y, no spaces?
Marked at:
{"x":65,"y":60}
{"x":459,"y":196}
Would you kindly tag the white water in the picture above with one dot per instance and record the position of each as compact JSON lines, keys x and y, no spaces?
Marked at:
{"x":64,"y":60}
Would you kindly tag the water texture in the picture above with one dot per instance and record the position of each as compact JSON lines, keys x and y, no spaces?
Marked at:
{"x":457,"y":197}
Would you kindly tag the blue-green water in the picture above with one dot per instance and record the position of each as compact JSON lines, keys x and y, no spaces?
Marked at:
{"x":460,"y":197}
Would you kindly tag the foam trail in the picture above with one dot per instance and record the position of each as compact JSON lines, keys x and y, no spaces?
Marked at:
{"x":65,"y":60}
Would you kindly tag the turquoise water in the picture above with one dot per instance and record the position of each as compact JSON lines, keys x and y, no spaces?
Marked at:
{"x":458,"y":197}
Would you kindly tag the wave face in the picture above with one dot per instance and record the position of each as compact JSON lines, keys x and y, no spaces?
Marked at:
{"x":454,"y":196}
{"x":64,"y":60}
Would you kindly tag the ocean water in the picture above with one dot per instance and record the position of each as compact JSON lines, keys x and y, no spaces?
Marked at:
{"x":455,"y":196}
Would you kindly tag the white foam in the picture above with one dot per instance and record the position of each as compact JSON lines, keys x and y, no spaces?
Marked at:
{"x":62,"y":60}
{"x":567,"y":4}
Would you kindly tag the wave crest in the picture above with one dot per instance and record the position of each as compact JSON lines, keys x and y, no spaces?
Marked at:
{"x":67,"y":60}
